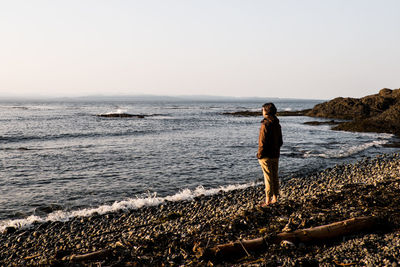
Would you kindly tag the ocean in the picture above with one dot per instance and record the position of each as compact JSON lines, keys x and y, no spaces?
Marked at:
{"x":58,"y":160}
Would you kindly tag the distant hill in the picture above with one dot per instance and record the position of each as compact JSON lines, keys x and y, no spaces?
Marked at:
{"x":162,"y":98}
{"x":111,"y":98}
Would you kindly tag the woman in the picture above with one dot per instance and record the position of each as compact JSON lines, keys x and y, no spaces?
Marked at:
{"x":269,"y":145}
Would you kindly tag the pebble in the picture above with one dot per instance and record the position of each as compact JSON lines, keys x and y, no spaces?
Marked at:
{"x":169,"y":234}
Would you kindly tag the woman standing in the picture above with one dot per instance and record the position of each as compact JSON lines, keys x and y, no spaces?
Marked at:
{"x":269,"y":146}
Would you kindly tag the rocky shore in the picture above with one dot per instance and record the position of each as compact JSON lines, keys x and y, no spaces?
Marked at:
{"x":373,"y":113}
{"x":173,"y":233}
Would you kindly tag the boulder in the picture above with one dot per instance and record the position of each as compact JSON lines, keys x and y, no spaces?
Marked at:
{"x":385,"y":92}
{"x":339,"y":108}
{"x":386,"y":122}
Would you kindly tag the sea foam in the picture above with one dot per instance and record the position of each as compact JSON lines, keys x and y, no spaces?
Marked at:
{"x":132,"y":203}
{"x":346,"y":151}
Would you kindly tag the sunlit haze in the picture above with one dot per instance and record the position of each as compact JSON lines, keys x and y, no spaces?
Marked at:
{"x":289,"y":49}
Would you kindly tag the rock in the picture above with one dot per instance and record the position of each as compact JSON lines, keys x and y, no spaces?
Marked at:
{"x":244,"y":113}
{"x":293,"y":113}
{"x":385,"y":92}
{"x":373,"y":113}
{"x":10,"y":230}
{"x":248,"y":113}
{"x":59,"y":254}
{"x":121,"y":115}
{"x":331,"y":122}
{"x":287,"y":244}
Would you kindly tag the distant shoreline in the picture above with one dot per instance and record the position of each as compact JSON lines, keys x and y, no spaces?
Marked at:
{"x":126,"y":98}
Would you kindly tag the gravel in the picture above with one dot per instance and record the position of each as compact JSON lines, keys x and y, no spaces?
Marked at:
{"x":172,"y":233}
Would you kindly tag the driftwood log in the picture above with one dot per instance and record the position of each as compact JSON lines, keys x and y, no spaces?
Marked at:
{"x":91,"y":256}
{"x":320,"y":233}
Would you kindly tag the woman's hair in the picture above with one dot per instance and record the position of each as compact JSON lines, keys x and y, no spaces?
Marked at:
{"x":269,"y":108}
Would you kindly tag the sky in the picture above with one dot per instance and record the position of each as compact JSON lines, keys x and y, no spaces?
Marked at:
{"x":245,"y":48}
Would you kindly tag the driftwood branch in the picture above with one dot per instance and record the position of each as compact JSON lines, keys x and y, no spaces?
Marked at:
{"x":320,"y":233}
{"x":101,"y":254}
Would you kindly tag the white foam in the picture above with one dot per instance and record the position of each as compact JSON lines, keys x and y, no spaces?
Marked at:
{"x":128,"y":204}
{"x":118,"y":111}
{"x":345,"y":151}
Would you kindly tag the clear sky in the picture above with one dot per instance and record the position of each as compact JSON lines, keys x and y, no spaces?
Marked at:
{"x":284,"y":48}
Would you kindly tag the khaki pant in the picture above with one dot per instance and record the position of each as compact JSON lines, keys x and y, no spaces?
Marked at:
{"x":270,"y":170}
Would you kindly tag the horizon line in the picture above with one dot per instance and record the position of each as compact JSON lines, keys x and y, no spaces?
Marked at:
{"x":144,"y":96}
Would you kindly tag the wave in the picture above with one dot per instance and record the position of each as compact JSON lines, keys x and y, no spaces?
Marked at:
{"x":43,"y":107}
{"x":118,"y":111}
{"x":14,"y":107}
{"x":129,"y":204}
{"x":15,"y":139}
{"x":16,"y":148}
{"x":346,"y":151}
{"x":33,"y":148}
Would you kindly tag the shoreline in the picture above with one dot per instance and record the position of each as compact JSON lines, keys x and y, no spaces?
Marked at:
{"x":170,"y":232}
{"x":152,"y":200}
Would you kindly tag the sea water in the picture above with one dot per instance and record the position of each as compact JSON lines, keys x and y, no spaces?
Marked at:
{"x":59,"y":160}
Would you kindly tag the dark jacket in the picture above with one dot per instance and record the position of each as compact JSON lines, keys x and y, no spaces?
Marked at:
{"x":270,"y":140}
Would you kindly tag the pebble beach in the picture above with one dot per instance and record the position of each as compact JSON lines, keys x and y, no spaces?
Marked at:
{"x":173,"y":233}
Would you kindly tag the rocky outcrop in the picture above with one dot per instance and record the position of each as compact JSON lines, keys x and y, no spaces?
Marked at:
{"x":373,"y":113}
{"x":248,"y":113}
{"x":331,"y":122}
{"x":120,"y":115}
